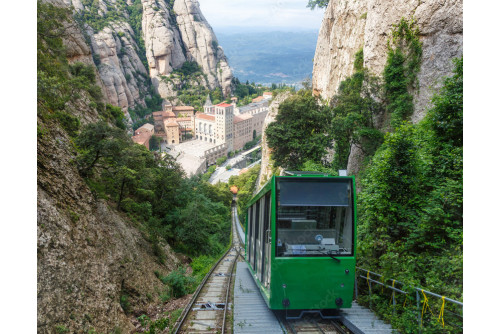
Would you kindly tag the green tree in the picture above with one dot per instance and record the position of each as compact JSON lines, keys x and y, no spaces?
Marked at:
{"x":317,"y":3}
{"x":99,"y":142}
{"x":154,"y":143}
{"x":300,"y":132}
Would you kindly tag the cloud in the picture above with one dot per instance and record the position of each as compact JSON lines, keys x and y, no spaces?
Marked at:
{"x":291,"y":14}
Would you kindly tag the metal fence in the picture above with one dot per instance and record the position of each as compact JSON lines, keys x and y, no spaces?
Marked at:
{"x":422,"y":306}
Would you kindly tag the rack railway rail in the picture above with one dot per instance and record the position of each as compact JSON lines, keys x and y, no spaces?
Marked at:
{"x":207,"y":310}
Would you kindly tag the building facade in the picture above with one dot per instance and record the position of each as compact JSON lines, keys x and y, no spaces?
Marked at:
{"x":225,"y":124}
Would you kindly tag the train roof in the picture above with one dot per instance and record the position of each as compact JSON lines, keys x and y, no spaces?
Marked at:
{"x":294,"y":174}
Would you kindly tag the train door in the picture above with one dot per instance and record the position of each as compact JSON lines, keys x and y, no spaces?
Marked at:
{"x":266,"y":244}
{"x":257,"y":227}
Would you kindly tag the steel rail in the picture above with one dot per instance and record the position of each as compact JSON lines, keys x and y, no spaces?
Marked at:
{"x":338,"y":328}
{"x":318,"y":326}
{"x":228,"y":290}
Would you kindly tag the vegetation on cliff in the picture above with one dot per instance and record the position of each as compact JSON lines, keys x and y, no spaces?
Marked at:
{"x":354,"y":109}
{"x":400,"y":73}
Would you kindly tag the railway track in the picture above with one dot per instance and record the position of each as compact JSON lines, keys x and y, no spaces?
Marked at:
{"x":207,"y":312}
{"x":314,"y":324}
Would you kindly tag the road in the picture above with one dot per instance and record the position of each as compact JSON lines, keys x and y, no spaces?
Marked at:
{"x":223,"y":175}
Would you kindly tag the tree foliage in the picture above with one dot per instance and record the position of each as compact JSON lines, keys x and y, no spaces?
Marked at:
{"x":300,"y":132}
{"x":192,"y":215}
{"x":317,"y":3}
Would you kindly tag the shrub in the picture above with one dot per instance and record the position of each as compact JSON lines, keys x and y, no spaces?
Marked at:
{"x":69,"y":123}
{"x":124,"y":303}
{"x":179,"y":283}
{"x":221,"y":160}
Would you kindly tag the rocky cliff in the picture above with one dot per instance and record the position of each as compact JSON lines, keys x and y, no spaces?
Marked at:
{"x":266,"y":166}
{"x":179,"y":34}
{"x":349,"y":26}
{"x":139,"y":43}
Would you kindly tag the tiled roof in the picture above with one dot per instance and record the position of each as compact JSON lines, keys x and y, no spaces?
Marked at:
{"x":180,"y":108}
{"x":206,"y":117}
{"x":171,"y":124}
{"x":225,"y":105}
{"x":142,"y":137}
{"x":258,"y":99}
{"x":241,"y":118}
{"x":267,"y":93}
{"x":145,"y":128}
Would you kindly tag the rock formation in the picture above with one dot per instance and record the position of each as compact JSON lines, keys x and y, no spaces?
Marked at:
{"x":171,"y":35}
{"x":266,"y":166}
{"x":349,"y":26}
{"x":120,"y":68}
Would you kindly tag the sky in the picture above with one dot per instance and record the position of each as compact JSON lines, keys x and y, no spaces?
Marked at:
{"x":245,"y":15}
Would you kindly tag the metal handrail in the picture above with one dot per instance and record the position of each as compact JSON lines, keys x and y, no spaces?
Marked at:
{"x":416,"y":288}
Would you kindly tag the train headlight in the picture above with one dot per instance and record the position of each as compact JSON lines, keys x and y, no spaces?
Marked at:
{"x":339,"y":302}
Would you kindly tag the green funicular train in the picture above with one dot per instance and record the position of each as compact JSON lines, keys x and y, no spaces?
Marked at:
{"x":301,"y":241}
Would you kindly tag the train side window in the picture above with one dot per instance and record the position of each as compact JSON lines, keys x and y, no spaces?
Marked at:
{"x":250,"y":234}
{"x":256,"y":234}
{"x":314,"y":217}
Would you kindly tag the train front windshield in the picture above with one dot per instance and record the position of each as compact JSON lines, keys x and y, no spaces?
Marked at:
{"x":314,"y":217}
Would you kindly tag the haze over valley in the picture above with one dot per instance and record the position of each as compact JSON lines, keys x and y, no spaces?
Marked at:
{"x":269,"y":57}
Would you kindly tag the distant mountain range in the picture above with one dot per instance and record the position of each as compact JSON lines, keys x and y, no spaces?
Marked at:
{"x":270,"y":57}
